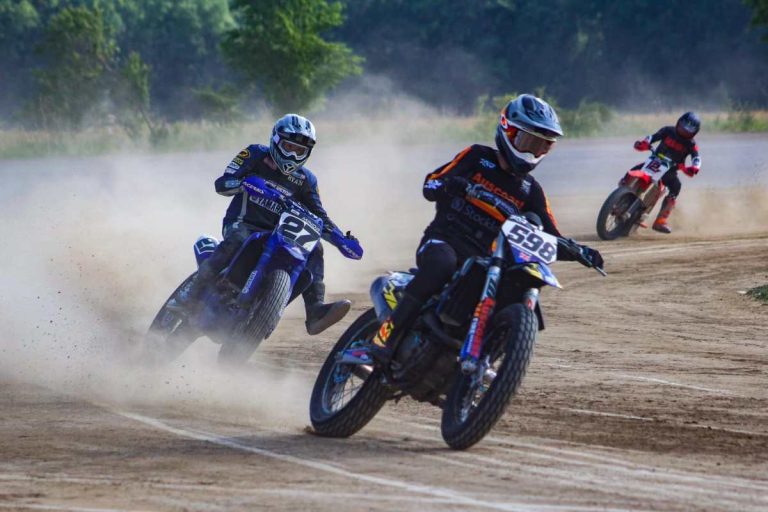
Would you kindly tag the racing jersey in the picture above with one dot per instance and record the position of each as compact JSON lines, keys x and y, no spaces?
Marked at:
{"x":469,"y":225}
{"x":676,"y":147}
{"x":259,"y":212}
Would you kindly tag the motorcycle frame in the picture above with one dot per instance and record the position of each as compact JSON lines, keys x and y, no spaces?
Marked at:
{"x":279,"y":253}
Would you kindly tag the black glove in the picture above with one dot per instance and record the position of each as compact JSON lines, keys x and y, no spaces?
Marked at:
{"x":592,"y":256}
{"x":456,"y":185}
{"x":349,"y":236}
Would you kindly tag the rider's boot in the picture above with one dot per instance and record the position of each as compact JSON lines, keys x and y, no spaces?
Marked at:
{"x":661,"y":223}
{"x":321,"y":316}
{"x":384,"y":344}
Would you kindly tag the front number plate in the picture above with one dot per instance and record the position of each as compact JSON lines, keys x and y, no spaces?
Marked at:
{"x":530,"y":240}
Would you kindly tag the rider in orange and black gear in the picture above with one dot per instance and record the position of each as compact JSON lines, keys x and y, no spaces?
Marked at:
{"x":464,"y":227}
{"x":676,"y":143}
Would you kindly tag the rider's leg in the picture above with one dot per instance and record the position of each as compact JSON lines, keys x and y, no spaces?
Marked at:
{"x":672,"y":181}
{"x":320,"y":316}
{"x":234,"y":236}
{"x":437,"y":261}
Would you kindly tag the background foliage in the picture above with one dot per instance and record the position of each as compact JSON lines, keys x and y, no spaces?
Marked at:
{"x":141,"y":64}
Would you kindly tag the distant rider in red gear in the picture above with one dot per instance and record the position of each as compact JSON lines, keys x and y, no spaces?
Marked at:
{"x":676,"y":143}
{"x":527,"y":130}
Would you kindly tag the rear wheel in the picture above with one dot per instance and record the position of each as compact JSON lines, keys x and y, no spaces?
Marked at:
{"x":264,"y":317}
{"x":476,"y":402}
{"x":614,"y":219}
{"x":346,"y":397}
{"x":169,"y":335}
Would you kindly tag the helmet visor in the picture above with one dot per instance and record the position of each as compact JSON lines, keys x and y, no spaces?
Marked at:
{"x":288,"y":149}
{"x":527,"y":142}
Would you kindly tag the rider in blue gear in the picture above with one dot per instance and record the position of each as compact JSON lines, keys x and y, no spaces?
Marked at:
{"x":281,"y":166}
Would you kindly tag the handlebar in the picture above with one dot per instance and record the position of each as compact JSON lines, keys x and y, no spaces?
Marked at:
{"x":573,"y":248}
{"x":349,"y":247}
{"x":507,"y":209}
{"x":255,"y":185}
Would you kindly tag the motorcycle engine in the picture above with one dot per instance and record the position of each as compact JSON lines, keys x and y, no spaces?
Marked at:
{"x":423,"y":368}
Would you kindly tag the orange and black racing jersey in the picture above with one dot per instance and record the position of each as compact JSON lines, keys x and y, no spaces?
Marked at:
{"x":468,"y":225}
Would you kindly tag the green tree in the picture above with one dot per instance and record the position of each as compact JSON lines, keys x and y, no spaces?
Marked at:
{"x":78,"y":52}
{"x":279,"y":48}
{"x":130,"y":94}
{"x":759,"y":13}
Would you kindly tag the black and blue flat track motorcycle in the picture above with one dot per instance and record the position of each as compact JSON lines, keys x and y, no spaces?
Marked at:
{"x":468,"y":350}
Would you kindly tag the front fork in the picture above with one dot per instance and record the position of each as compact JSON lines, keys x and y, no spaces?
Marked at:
{"x":473,"y":343}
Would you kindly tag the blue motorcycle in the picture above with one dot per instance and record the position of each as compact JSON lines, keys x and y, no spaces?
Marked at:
{"x":244,"y":304}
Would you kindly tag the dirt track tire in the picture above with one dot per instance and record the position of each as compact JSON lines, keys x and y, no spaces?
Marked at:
{"x":169,"y":334}
{"x":616,"y":198}
{"x":520,"y":338}
{"x":265,"y":315}
{"x":368,"y":400}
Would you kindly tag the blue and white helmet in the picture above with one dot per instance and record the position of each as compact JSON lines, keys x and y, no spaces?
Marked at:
{"x":293,"y":138}
{"x":528,"y":128}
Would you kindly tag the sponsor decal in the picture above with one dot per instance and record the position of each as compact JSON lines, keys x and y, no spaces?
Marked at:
{"x":487,"y":164}
{"x":495,"y":189}
{"x":244,"y":154}
{"x":266,"y":204}
{"x":249,"y":282}
{"x":479,"y":322}
{"x":433,"y":184}
{"x":478,"y":217}
{"x":231,"y":169}
{"x":237,"y":160}
{"x":389,"y":295}
{"x":232,"y":183}
{"x":384,"y":332}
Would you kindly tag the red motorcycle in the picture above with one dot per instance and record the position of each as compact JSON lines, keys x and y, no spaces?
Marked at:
{"x":639,"y":190}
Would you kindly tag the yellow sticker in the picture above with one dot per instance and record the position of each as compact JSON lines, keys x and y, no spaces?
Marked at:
{"x":244,"y":153}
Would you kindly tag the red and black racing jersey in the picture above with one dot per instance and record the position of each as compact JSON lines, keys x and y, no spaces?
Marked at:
{"x":676,"y":147}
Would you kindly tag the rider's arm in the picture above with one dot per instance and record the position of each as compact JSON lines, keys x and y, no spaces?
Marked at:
{"x":695,"y":158}
{"x":656,"y":137}
{"x":310,"y":197}
{"x":242,"y":165}
{"x":538,"y":203}
{"x":435,"y":182}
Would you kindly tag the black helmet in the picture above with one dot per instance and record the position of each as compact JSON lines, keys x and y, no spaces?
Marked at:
{"x":688,"y":125}
{"x":293,"y":138}
{"x":528,"y":127}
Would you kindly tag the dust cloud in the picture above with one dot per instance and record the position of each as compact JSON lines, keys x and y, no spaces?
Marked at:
{"x":95,"y":245}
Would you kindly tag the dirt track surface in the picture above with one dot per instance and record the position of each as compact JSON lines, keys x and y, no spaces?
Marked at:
{"x":648,"y":391}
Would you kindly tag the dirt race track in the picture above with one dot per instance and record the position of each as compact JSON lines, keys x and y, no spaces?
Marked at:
{"x":648,"y":391}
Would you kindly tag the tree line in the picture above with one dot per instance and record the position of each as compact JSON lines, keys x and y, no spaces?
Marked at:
{"x":69,"y":63}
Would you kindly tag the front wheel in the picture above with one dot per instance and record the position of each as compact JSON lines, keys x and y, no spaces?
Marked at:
{"x":346,"y":397}
{"x":476,"y":402}
{"x":263,"y":318}
{"x":169,"y":334}
{"x":614,"y":219}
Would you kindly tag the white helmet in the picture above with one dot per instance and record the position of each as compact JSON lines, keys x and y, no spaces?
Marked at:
{"x":293,"y":138}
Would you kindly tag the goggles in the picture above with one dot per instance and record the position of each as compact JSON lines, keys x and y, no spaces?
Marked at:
{"x":526,"y":142}
{"x":288,"y":149}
